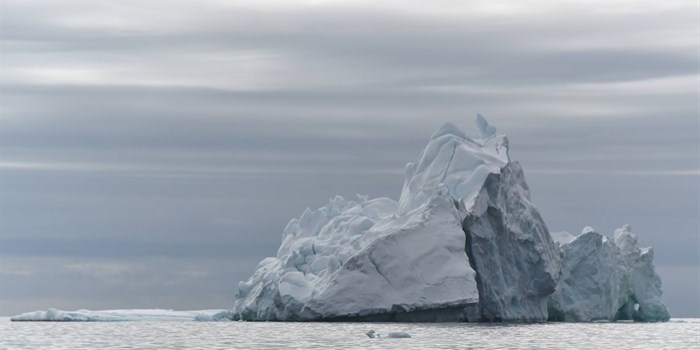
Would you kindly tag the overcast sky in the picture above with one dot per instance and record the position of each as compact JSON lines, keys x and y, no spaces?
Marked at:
{"x":152,"y":152}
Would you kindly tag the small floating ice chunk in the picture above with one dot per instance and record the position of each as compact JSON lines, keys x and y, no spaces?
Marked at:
{"x":399,"y":335}
{"x":372,"y":334}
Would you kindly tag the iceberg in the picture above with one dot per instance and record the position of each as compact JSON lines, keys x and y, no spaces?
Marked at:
{"x":463,"y":243}
{"x":56,"y":315}
{"x":508,"y":243}
{"x":607,"y":279}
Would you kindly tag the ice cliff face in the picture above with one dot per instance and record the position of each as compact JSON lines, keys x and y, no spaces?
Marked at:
{"x":463,"y":243}
{"x":359,"y":260}
{"x":607,"y":279}
{"x":508,"y":243}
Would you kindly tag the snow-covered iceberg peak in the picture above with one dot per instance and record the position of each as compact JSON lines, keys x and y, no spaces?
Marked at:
{"x":456,"y":160}
{"x":485,"y":129}
{"x":463,"y":243}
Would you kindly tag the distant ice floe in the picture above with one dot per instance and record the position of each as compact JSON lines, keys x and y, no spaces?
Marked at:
{"x":57,"y":315}
{"x":372,"y":334}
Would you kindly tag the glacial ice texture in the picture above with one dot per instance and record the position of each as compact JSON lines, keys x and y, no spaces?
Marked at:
{"x":509,"y":245}
{"x":358,"y":259}
{"x":507,"y":241}
{"x":607,"y":279}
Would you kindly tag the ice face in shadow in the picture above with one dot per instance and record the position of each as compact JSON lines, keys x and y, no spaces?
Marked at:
{"x":590,"y":287}
{"x":607,"y":279}
{"x":509,"y":245}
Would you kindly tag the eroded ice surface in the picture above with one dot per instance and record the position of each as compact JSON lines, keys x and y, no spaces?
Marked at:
{"x":607,"y":279}
{"x":359,"y":258}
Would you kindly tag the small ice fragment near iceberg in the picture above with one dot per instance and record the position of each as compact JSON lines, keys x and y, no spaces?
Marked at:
{"x":372,"y":334}
{"x":399,"y":335}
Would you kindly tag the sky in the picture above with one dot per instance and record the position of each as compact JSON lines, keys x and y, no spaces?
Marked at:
{"x":151,"y":153}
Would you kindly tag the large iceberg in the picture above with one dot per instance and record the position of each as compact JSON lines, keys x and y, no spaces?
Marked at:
{"x":464,"y":207}
{"x":463,"y":243}
{"x":607,"y":279}
{"x":508,"y":244}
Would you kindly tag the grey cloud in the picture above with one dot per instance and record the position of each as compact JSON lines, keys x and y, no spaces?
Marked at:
{"x":379,"y":47}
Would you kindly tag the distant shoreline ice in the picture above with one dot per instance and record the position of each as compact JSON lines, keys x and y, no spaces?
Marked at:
{"x":56,"y":315}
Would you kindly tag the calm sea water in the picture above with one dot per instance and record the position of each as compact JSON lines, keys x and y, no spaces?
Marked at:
{"x":677,"y":334}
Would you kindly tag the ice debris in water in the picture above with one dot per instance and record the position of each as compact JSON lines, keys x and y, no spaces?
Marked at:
{"x":372,"y":334}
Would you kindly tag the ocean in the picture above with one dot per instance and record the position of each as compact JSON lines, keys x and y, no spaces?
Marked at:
{"x":675,"y":334}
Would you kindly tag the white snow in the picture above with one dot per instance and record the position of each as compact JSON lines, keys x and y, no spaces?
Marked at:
{"x":123,"y":315}
{"x":456,"y":160}
{"x":587,"y":229}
